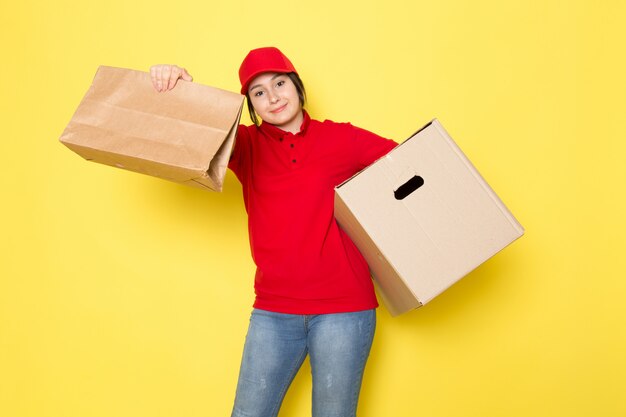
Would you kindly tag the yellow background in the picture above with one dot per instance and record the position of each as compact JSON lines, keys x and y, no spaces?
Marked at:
{"x":127,"y":296}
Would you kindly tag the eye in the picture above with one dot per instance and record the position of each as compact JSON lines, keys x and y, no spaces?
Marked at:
{"x":258,"y":94}
{"x":280,"y":83}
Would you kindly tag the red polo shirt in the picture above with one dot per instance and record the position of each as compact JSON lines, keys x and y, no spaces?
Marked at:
{"x":305,"y":263}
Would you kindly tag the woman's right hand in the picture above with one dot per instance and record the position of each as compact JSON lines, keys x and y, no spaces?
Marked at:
{"x":165,"y":76}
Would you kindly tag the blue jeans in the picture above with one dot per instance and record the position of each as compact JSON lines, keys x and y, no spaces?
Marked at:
{"x":276,"y":345}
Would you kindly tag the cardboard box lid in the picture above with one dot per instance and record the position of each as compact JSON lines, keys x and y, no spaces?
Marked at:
{"x":423,"y":217}
{"x":183,"y":135}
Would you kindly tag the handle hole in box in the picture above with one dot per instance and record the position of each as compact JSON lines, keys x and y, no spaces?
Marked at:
{"x":408,"y":187}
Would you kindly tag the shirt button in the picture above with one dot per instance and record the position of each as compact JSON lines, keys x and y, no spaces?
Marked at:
{"x":280,"y":139}
{"x":293,"y":160}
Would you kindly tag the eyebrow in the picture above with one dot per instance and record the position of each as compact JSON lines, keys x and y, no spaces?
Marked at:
{"x":259,"y":85}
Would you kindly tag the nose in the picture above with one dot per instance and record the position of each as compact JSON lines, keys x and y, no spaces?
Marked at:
{"x":274,"y":98}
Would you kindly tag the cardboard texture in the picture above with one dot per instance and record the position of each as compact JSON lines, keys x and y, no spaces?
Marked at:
{"x":423,"y":217}
{"x":183,"y":135}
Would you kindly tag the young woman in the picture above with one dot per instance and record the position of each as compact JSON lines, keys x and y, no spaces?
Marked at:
{"x":314,"y":294}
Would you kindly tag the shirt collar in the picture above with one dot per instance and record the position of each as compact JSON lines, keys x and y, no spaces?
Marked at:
{"x":275,"y":132}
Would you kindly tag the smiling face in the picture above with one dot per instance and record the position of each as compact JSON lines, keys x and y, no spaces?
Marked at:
{"x":275,"y":99}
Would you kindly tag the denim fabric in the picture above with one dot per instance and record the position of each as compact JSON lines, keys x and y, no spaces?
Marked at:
{"x":276,"y":346}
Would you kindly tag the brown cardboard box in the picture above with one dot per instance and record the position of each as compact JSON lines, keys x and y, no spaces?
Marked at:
{"x":183,"y":135}
{"x":423,"y":217}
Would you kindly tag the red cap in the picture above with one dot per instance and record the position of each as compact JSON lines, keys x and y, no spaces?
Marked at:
{"x":262,"y":60}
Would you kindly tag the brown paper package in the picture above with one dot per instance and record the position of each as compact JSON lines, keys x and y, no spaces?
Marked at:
{"x":183,"y":135}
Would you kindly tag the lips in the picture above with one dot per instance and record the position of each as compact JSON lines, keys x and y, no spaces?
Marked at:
{"x":278,"y":110}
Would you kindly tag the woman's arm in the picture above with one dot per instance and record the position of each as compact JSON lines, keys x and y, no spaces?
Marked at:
{"x":165,"y":76}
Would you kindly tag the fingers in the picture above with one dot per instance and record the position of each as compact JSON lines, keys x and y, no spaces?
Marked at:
{"x":155,"y":76}
{"x":164,"y":77}
{"x":167,"y":76}
{"x":186,"y":76}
